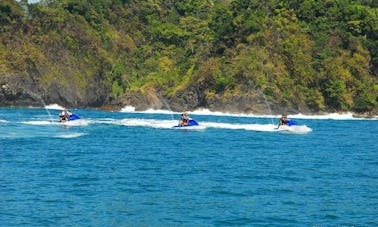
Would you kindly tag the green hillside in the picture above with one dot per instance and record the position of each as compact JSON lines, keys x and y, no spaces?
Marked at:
{"x":298,"y":55}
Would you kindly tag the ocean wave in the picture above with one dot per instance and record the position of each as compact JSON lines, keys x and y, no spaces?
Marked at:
{"x":298,"y":129}
{"x":128,"y":109}
{"x":169,"y":124}
{"x":37,"y":122}
{"x":145,"y":122}
{"x":79,"y":122}
{"x":54,"y":107}
{"x":70,"y":135}
{"x":207,"y":112}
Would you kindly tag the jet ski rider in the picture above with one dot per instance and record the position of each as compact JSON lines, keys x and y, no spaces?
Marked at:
{"x":283,"y":120}
{"x":184,"y":120}
{"x":64,"y":115}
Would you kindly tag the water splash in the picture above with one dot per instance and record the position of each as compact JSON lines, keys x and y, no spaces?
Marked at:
{"x":164,"y":101}
{"x":168,"y":124}
{"x":266,"y":102}
{"x":37,"y":96}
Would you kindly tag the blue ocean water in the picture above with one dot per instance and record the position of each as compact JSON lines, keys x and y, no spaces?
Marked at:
{"x":121,"y":169}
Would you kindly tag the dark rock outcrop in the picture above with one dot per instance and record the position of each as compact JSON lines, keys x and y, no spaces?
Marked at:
{"x":27,"y":91}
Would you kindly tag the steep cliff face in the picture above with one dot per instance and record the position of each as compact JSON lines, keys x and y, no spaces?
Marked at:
{"x":18,"y":91}
{"x":231,"y":56}
{"x":24,"y":91}
{"x":197,"y":96}
{"x":13,"y":94}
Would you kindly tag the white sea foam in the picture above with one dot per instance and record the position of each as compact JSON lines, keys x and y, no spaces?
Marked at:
{"x":3,"y":121}
{"x":128,"y":109}
{"x":38,"y":122}
{"x":224,"y":125}
{"x":146,"y":123}
{"x":298,"y":129}
{"x":69,"y":135}
{"x":169,"y":124}
{"x":79,"y":122}
{"x":152,"y":111}
{"x":217,"y":113}
{"x":141,"y":122}
{"x":196,"y":127}
{"x":206,"y":112}
{"x":330,"y":116}
{"x":54,"y":107}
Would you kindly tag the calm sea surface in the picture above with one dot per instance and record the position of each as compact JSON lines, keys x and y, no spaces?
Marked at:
{"x":121,"y":169}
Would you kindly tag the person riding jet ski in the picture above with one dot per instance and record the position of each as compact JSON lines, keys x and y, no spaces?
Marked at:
{"x":64,"y":115}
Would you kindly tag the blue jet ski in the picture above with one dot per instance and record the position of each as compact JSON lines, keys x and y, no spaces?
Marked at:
{"x":74,"y":117}
{"x":291,"y":123}
{"x":190,"y":124}
{"x":71,"y":118}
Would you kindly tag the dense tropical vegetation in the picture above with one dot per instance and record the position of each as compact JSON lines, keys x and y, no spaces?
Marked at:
{"x":306,"y":55}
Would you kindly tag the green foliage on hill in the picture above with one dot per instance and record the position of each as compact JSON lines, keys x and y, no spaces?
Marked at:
{"x":321,"y":55}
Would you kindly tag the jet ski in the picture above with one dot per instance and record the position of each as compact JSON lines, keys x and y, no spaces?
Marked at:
{"x":191,"y":123}
{"x":291,"y":123}
{"x":71,"y":118}
{"x":74,"y":117}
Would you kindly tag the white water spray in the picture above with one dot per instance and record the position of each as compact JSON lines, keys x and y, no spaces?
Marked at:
{"x":36,"y":96}
{"x":266,"y":102}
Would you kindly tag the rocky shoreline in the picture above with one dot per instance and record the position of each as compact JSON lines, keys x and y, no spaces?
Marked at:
{"x":21,"y":93}
{"x":113,"y":108}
